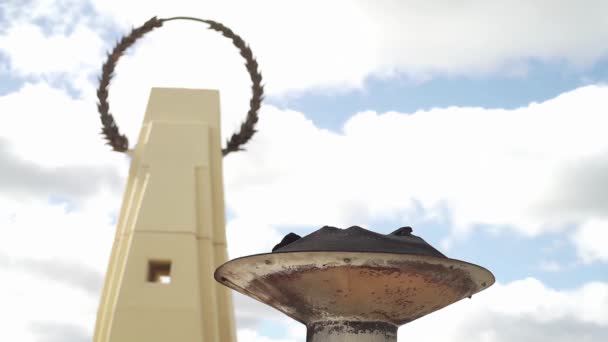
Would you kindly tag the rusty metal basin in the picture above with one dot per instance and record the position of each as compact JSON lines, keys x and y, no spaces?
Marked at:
{"x":353,"y":286}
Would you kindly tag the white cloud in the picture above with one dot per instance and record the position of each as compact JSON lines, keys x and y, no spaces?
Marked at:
{"x":250,"y":237}
{"x":508,"y":168}
{"x":58,"y":12}
{"x":36,"y":231}
{"x":326,"y":46}
{"x":50,"y":145}
{"x":250,"y":313}
{"x":29,"y":299}
{"x":282,"y":42}
{"x":338,"y":44}
{"x":505,"y":167}
{"x":524,"y":310}
{"x":34,"y":53}
{"x":478,"y":36}
{"x":591,"y":240}
{"x":487,"y":166}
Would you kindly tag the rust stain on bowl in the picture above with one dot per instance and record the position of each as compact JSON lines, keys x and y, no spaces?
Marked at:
{"x":321,"y":286}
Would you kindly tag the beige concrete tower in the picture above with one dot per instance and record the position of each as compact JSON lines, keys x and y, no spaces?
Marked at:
{"x":170,"y":238}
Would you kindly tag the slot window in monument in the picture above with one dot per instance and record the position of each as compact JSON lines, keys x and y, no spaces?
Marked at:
{"x":159,"y":272}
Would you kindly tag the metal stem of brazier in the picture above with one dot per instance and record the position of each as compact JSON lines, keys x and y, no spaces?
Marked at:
{"x":345,"y":331}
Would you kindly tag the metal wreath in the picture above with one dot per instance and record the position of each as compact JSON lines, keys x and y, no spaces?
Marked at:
{"x":120,"y":143}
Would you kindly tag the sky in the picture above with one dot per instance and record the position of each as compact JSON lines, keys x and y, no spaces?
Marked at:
{"x":481,"y":124}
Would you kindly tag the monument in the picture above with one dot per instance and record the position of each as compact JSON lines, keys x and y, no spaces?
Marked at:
{"x":159,"y":285}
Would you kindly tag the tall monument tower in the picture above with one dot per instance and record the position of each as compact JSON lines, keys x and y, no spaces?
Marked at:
{"x":170,"y":237}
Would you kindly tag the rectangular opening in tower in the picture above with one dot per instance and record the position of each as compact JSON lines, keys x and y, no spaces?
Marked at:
{"x":159,"y":271}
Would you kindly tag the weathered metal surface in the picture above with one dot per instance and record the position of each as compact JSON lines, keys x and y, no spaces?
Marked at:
{"x":357,"y":239}
{"x":349,"y":331}
{"x":353,"y":286}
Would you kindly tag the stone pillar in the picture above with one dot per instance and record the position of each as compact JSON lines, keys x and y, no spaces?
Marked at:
{"x":171,"y":231}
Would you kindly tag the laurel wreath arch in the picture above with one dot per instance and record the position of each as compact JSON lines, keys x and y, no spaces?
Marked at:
{"x":120,"y":143}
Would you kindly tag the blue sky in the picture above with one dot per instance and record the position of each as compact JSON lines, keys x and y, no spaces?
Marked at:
{"x":542,"y":81}
{"x":487,"y":139}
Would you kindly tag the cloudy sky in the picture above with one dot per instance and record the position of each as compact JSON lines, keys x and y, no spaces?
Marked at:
{"x":482,"y":124}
